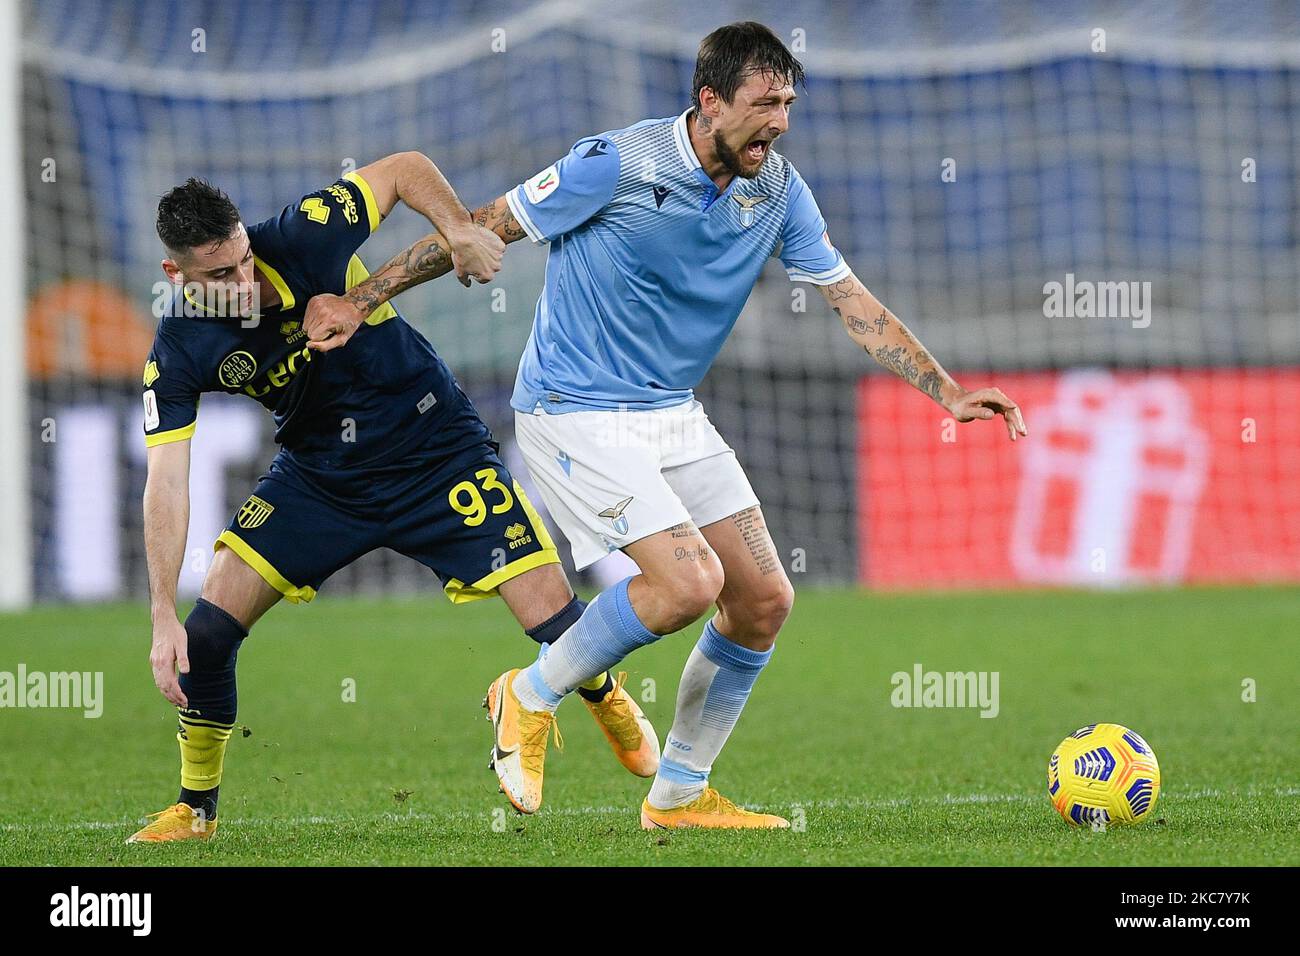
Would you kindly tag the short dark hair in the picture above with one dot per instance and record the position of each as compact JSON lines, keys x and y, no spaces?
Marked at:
{"x":195,"y":214}
{"x":730,"y":54}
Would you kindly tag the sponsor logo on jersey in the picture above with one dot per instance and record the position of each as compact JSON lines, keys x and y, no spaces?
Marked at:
{"x":661,"y":193}
{"x":282,"y":372}
{"x":747,"y":206}
{"x":236,"y":369}
{"x":542,"y":185}
{"x":151,"y":373}
{"x":254,"y":513}
{"x":343,"y":196}
{"x":316,"y":210}
{"x":598,"y":148}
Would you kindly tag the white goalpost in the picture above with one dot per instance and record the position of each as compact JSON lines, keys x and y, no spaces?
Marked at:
{"x":15,"y":499}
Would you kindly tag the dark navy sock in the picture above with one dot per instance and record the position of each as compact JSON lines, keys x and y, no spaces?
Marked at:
{"x":596,"y":696}
{"x":549,"y":631}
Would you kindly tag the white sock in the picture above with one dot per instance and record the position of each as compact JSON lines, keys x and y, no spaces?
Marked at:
{"x":715,"y":685}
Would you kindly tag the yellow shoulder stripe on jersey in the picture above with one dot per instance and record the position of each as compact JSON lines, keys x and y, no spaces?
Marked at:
{"x":176,"y":434}
{"x":357,"y":272}
{"x":269,"y":574}
{"x":372,"y":210}
{"x":277,"y":282}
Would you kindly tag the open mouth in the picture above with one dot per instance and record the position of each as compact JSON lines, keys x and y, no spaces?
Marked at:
{"x":756,"y":151}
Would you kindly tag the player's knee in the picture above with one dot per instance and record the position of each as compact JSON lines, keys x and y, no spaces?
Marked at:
{"x":688,"y":594}
{"x":212,"y":637}
{"x":698,"y":590}
{"x":760,"y":616}
{"x":777,"y":605}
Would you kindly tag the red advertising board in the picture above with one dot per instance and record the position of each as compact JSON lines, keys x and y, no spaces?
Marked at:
{"x":1126,"y":478}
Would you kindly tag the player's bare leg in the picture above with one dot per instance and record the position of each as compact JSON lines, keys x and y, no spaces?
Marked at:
{"x":234,"y":597}
{"x":236,"y":587}
{"x":753,"y":604}
{"x":543,"y":603}
{"x":756,"y":596}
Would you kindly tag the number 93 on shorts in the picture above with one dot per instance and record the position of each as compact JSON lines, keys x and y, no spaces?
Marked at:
{"x":468,"y":521}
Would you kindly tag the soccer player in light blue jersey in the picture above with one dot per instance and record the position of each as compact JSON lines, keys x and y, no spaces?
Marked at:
{"x":657,"y":234}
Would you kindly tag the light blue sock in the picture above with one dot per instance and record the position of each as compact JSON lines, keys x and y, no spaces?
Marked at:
{"x":606,"y":633}
{"x":715,"y":685}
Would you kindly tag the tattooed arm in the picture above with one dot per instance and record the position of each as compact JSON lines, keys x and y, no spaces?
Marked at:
{"x":886,"y":339}
{"x":332,"y":319}
{"x":412,"y":178}
{"x":497,"y":217}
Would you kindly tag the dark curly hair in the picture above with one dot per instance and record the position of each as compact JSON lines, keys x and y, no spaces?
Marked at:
{"x":730,"y":54}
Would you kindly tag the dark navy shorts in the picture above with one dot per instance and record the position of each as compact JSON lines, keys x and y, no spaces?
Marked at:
{"x":464,"y":517}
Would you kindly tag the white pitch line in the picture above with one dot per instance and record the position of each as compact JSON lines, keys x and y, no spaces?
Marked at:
{"x":854,"y":804}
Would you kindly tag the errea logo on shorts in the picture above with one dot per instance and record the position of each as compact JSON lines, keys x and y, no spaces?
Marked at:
{"x":518,"y":535}
{"x":542,"y":185}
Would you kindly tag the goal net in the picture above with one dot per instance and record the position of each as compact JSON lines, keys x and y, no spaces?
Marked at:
{"x":1092,"y":208}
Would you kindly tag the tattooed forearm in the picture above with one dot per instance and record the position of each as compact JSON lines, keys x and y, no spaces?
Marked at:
{"x":932,"y":384}
{"x":895,"y":347}
{"x":897,"y":361}
{"x":860,"y":326}
{"x":426,"y":259}
{"x":497,"y":216}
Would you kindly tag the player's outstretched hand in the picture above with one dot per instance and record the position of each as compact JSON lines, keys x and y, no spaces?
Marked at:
{"x":330,"y":321}
{"x":476,"y":253}
{"x":170,"y":650}
{"x":985,"y":403}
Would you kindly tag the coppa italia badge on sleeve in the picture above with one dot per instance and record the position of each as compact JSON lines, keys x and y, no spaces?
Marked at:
{"x":542,"y":185}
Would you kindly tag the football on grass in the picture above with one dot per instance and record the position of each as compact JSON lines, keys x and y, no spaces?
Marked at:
{"x":1103,"y":774}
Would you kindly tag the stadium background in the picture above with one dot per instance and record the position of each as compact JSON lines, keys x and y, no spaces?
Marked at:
{"x":1169,"y":158}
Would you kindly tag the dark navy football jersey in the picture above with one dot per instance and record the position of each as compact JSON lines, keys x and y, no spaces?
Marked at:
{"x":382,"y":396}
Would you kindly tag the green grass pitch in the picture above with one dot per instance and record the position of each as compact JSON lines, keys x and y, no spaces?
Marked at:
{"x":399,"y":776}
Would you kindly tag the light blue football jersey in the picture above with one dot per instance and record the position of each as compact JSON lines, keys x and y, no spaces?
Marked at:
{"x":649,"y":265}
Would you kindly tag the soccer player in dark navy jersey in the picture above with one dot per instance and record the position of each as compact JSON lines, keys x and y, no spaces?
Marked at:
{"x":379,"y":448}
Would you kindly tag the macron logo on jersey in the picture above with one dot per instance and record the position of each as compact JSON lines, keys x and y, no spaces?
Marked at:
{"x":542,"y":185}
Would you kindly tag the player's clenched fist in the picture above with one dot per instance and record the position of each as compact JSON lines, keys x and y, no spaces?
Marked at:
{"x":330,"y":321}
{"x":475,"y":253}
{"x":170,"y":650}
